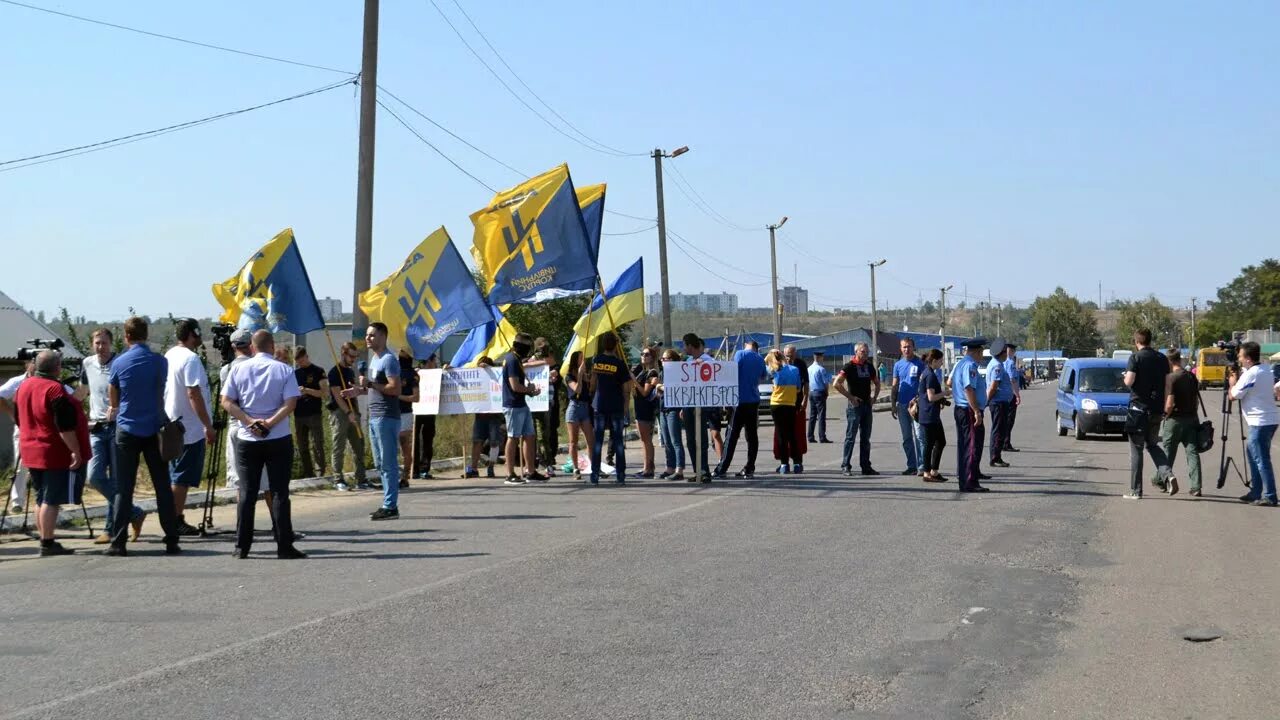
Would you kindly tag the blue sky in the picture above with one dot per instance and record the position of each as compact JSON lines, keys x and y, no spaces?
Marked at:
{"x":1009,"y":147}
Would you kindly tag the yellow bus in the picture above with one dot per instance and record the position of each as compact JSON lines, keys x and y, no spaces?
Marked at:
{"x":1211,"y":366}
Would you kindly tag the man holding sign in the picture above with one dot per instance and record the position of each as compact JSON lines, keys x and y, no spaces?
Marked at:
{"x":611,"y":384}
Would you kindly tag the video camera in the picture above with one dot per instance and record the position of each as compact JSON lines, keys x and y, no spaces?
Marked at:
{"x":35,"y":345}
{"x":222,"y":341}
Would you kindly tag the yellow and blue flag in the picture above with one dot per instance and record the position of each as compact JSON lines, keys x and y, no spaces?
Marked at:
{"x":271,"y":291}
{"x":428,"y":299}
{"x":532,"y":237}
{"x":591,"y":201}
{"x":493,"y":339}
{"x":624,"y":304}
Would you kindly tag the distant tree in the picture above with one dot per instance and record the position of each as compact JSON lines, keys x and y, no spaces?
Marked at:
{"x":69,"y":331}
{"x":1149,"y":313}
{"x":1250,"y":301}
{"x":1062,"y":321}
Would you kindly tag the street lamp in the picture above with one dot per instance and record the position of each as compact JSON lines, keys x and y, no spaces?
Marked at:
{"x":773,"y":262}
{"x":657,"y":156}
{"x":875,"y":328}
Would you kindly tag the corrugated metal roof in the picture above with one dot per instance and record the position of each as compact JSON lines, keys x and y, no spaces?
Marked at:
{"x":18,"y":328}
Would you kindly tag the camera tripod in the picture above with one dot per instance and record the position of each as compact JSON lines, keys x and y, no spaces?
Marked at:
{"x":1229,"y":462}
{"x":25,"y":530}
{"x":213,"y":464}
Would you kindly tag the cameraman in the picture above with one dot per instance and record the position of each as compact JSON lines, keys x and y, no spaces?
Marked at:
{"x":1254,"y":389}
{"x":261,"y":394}
{"x":9,"y":391}
{"x":54,"y":444}
{"x":102,"y":432}
{"x":1145,"y":378}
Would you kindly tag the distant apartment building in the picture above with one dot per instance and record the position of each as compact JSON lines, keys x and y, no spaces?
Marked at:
{"x":794,"y":300}
{"x":720,"y":303}
{"x":330,"y":309}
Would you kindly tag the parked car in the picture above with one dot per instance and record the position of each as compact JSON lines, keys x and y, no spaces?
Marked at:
{"x":1092,"y":397}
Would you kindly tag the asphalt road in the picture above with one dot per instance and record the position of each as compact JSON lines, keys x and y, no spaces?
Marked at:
{"x":813,"y":596}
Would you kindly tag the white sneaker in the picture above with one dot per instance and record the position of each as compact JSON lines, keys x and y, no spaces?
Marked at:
{"x":341,"y":487}
{"x":15,"y":508}
{"x":1131,"y":496}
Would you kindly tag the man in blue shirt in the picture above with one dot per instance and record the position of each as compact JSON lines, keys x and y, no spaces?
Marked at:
{"x":381,"y":382}
{"x":906,"y":385}
{"x":135,"y":402}
{"x":819,"y":388}
{"x":999,"y":398}
{"x":970,"y":395}
{"x":747,"y":414}
{"x":1018,"y":378}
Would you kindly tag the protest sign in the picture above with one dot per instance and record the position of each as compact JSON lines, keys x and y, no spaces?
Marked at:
{"x":467,"y":391}
{"x":690,"y":383}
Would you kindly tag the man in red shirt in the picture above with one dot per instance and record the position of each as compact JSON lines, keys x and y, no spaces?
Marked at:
{"x":54,"y":438}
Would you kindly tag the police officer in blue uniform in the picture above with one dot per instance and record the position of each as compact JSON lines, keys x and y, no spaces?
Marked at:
{"x":1018,"y":378}
{"x":999,"y":399}
{"x":970,"y":396}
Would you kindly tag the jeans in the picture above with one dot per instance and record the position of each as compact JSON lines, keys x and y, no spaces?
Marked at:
{"x":857,"y":418}
{"x":276,"y":457}
{"x":1184,"y":431}
{"x":613,"y":423}
{"x":1262,"y":478}
{"x":1149,"y":441}
{"x":346,"y":433}
{"x":384,"y":434}
{"x":130,"y":449}
{"x":670,"y":430}
{"x":745,"y":416}
{"x":310,"y":429}
{"x":818,"y":415}
{"x":700,"y":464}
{"x":102,"y":472}
{"x":912,"y":439}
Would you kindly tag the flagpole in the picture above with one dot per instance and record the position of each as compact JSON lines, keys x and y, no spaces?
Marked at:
{"x":342,"y":379}
{"x":613,"y":326}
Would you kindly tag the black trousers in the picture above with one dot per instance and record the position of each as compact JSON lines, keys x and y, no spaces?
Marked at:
{"x":969,"y":439}
{"x":999,"y":428}
{"x":784,"y":428}
{"x":130,"y":450}
{"x":277,"y":457}
{"x":745,"y":416}
{"x":818,"y":415}
{"x":424,"y":443}
{"x":935,"y":439}
{"x":1013,"y":418}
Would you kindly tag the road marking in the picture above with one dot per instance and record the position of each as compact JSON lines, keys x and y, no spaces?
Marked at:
{"x":161,"y":671}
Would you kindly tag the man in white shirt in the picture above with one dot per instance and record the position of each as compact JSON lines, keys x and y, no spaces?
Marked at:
{"x":1255,"y":390}
{"x":260,"y":394}
{"x":186,"y":398}
{"x":9,"y":391}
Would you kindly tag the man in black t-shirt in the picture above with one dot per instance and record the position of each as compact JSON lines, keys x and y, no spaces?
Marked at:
{"x":344,"y":419}
{"x":308,"y":424}
{"x":1182,"y":420}
{"x":859,"y":383}
{"x":515,"y":408}
{"x":611,"y":385}
{"x":1145,"y":378}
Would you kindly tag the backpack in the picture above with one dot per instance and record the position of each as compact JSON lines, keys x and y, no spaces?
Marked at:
{"x":1204,"y":433}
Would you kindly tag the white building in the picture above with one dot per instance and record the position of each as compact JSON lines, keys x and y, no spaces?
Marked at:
{"x":794,"y":300}
{"x":330,"y":309}
{"x":722,"y":303}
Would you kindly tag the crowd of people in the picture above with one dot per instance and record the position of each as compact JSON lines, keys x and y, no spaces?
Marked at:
{"x":143,"y":407}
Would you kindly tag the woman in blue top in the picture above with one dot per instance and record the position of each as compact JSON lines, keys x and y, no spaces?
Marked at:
{"x":929,"y":403}
{"x":786,"y":388}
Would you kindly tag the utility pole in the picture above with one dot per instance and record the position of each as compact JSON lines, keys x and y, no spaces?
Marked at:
{"x":773,"y":263}
{"x":1192,"y":343}
{"x":942,"y":318}
{"x":657,"y":156}
{"x":364,"y":169}
{"x":875,"y":326}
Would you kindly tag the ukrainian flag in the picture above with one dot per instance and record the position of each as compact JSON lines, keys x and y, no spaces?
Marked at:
{"x":428,"y":299}
{"x":271,"y":291}
{"x":625,"y":303}
{"x":492,"y":339}
{"x":531,"y":238}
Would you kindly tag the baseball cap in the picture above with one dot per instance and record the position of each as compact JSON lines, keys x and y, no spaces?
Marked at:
{"x":241,"y":338}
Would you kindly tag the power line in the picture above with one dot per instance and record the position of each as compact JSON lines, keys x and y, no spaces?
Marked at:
{"x":704,"y":253}
{"x":18,"y":163}
{"x":680,"y":245}
{"x":513,"y":93}
{"x":710,"y":211}
{"x":438,"y":151}
{"x":632,"y":217}
{"x":633,"y":232}
{"x":452,"y":134}
{"x":174,"y":38}
{"x":531,"y":92}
